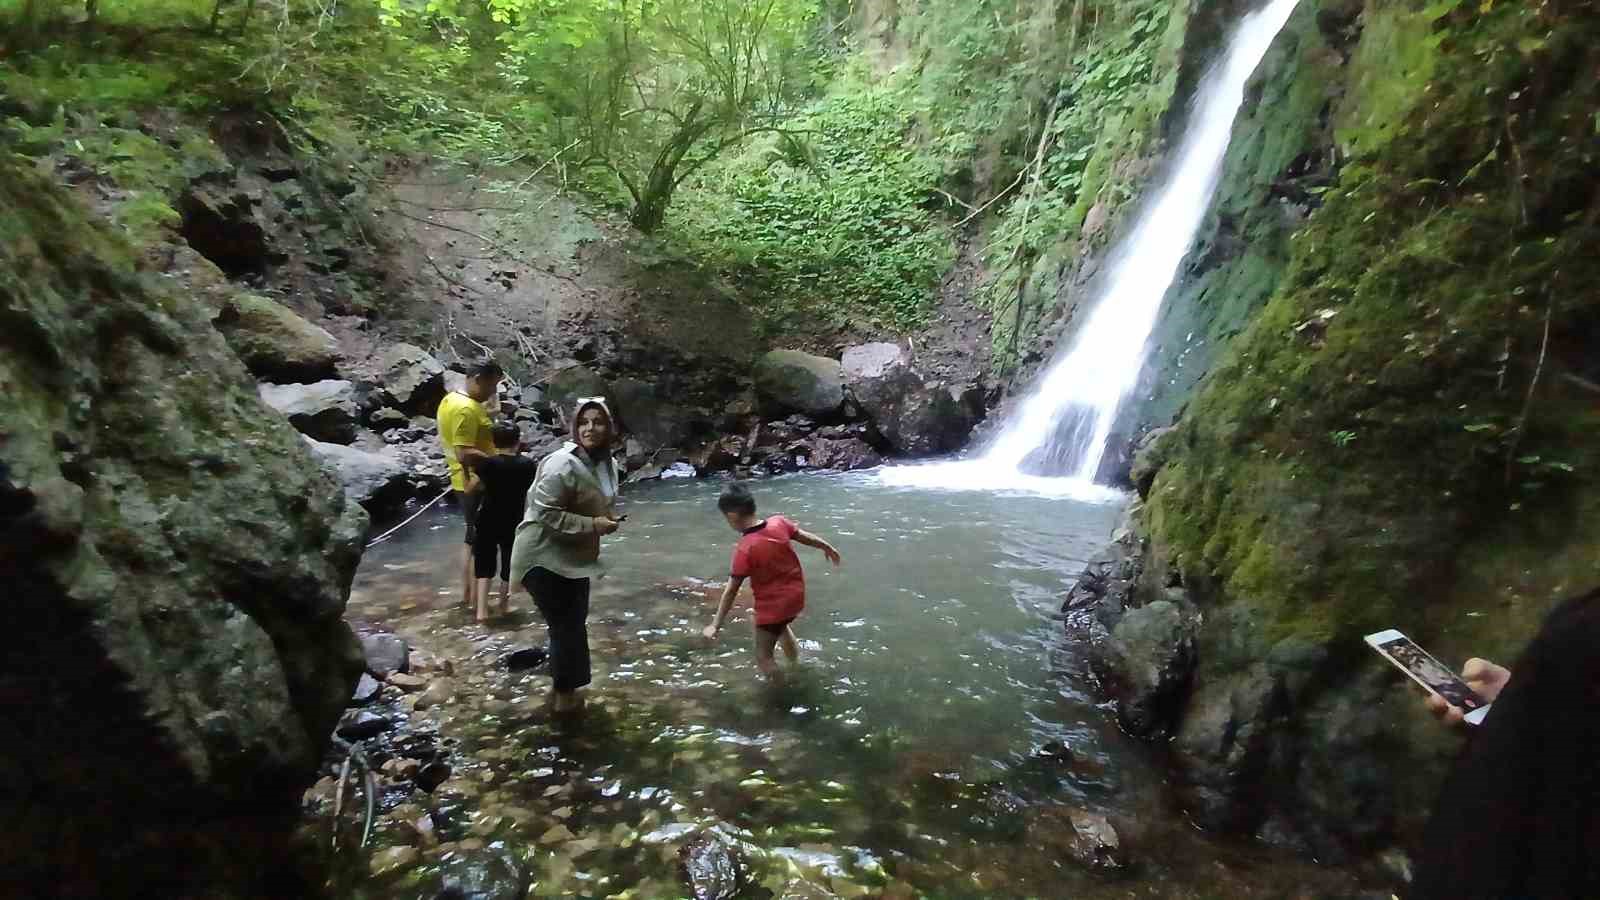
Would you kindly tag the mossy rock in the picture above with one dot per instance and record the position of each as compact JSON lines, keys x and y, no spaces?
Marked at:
{"x":792,"y":381}
{"x":1403,"y":436}
{"x":181,"y":564}
{"x":274,"y":343}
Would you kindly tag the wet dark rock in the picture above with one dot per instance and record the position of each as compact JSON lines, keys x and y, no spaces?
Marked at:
{"x":841,"y":455}
{"x":181,"y":564}
{"x":385,"y":654}
{"x":387,"y":420}
{"x":413,"y":381}
{"x":361,"y":724}
{"x":1086,"y":838}
{"x":713,"y":869}
{"x":645,"y":414}
{"x":221,"y":224}
{"x":526,"y":658}
{"x":789,"y":381}
{"x":1149,"y":455}
{"x":1095,"y":843}
{"x":430,"y":776}
{"x":488,"y":874}
{"x":1146,"y":664}
{"x":911,"y":415}
{"x":1224,"y":745}
{"x":366,"y":690}
{"x":378,"y":481}
{"x":273,"y":342}
{"x":323,"y":411}
{"x":1105,"y":590}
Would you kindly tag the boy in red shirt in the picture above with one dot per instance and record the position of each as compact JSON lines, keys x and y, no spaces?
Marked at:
{"x":765,"y":555}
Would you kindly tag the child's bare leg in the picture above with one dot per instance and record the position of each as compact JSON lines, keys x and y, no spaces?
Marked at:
{"x":765,"y":640}
{"x":505,"y":596}
{"x":481,"y":599}
{"x":791,"y":647}
{"x":469,"y":581}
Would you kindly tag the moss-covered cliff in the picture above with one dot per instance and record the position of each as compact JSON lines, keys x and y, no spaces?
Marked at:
{"x":1404,"y":435}
{"x":175,"y":565}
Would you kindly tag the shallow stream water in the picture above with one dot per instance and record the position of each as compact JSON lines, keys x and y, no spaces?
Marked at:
{"x":934,"y":741}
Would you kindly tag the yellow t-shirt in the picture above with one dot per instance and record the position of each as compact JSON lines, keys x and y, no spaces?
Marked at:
{"x":463,"y":421}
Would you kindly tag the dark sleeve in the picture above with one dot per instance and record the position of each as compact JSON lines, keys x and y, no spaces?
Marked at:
{"x":1519,"y":815}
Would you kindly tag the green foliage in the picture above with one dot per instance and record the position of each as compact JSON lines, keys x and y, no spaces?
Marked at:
{"x":1108,"y":103}
{"x":1455,"y":270}
{"x":837,"y":228}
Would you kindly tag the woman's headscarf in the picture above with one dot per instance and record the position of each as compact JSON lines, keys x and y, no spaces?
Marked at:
{"x":594,"y":403}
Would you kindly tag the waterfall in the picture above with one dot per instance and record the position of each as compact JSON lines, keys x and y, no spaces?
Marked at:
{"x":1064,"y":424}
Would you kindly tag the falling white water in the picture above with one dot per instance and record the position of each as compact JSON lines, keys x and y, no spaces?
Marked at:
{"x":1063,"y":426}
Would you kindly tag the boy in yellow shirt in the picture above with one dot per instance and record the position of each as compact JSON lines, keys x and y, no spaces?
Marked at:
{"x":467,"y":436}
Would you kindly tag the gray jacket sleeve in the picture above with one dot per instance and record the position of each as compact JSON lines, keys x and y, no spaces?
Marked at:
{"x":552,"y":493}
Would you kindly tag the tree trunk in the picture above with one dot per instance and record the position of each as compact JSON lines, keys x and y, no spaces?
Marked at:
{"x":651,"y":208}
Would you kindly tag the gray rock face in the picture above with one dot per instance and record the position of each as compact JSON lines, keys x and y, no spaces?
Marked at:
{"x":377,"y":481}
{"x":323,"y":411}
{"x":413,"y":381}
{"x":385,"y":654}
{"x":1146,"y":664}
{"x":913,"y":416}
{"x":844,"y":455}
{"x":1224,"y":745}
{"x":791,"y":381}
{"x":646,"y":414}
{"x":189,"y":563}
{"x":274,"y":343}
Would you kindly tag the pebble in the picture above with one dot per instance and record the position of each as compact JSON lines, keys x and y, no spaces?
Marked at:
{"x":407,"y":682}
{"x":386,"y":861}
{"x":557,"y":835}
{"x":361,"y":724}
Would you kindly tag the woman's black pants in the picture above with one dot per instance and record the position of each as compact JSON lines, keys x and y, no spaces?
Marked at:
{"x":564,"y":603}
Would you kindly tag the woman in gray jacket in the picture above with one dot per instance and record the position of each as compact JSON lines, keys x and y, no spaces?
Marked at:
{"x":557,"y":550}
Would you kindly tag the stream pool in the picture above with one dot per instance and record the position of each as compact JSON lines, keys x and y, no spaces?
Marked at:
{"x":937,"y":739}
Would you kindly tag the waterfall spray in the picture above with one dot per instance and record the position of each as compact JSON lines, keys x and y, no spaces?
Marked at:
{"x":1064,"y":424}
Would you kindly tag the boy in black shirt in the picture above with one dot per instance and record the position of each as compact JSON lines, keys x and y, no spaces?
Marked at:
{"x":506,"y":477}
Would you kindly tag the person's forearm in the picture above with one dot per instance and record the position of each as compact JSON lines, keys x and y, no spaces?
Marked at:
{"x":811,"y":540}
{"x":724,"y":606}
{"x":470,"y":457}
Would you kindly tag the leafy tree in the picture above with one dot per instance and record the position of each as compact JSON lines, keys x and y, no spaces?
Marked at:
{"x":652,"y":90}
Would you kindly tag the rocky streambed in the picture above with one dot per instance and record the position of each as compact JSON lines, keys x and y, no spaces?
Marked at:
{"x":940,"y":738}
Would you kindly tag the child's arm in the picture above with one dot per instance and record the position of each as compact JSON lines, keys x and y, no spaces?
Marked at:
{"x":811,"y":540}
{"x":724,"y":606}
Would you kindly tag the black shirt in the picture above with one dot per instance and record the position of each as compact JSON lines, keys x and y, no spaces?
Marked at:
{"x":506,"y":480}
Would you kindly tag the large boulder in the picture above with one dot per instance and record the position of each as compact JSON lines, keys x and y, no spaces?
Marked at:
{"x":789,"y":381}
{"x":646,"y":415}
{"x":274,"y":343}
{"x":413,"y":381}
{"x":1146,"y":663}
{"x":378,"y":481}
{"x":176,"y":568}
{"x":324,"y":410}
{"x":912,"y":416}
